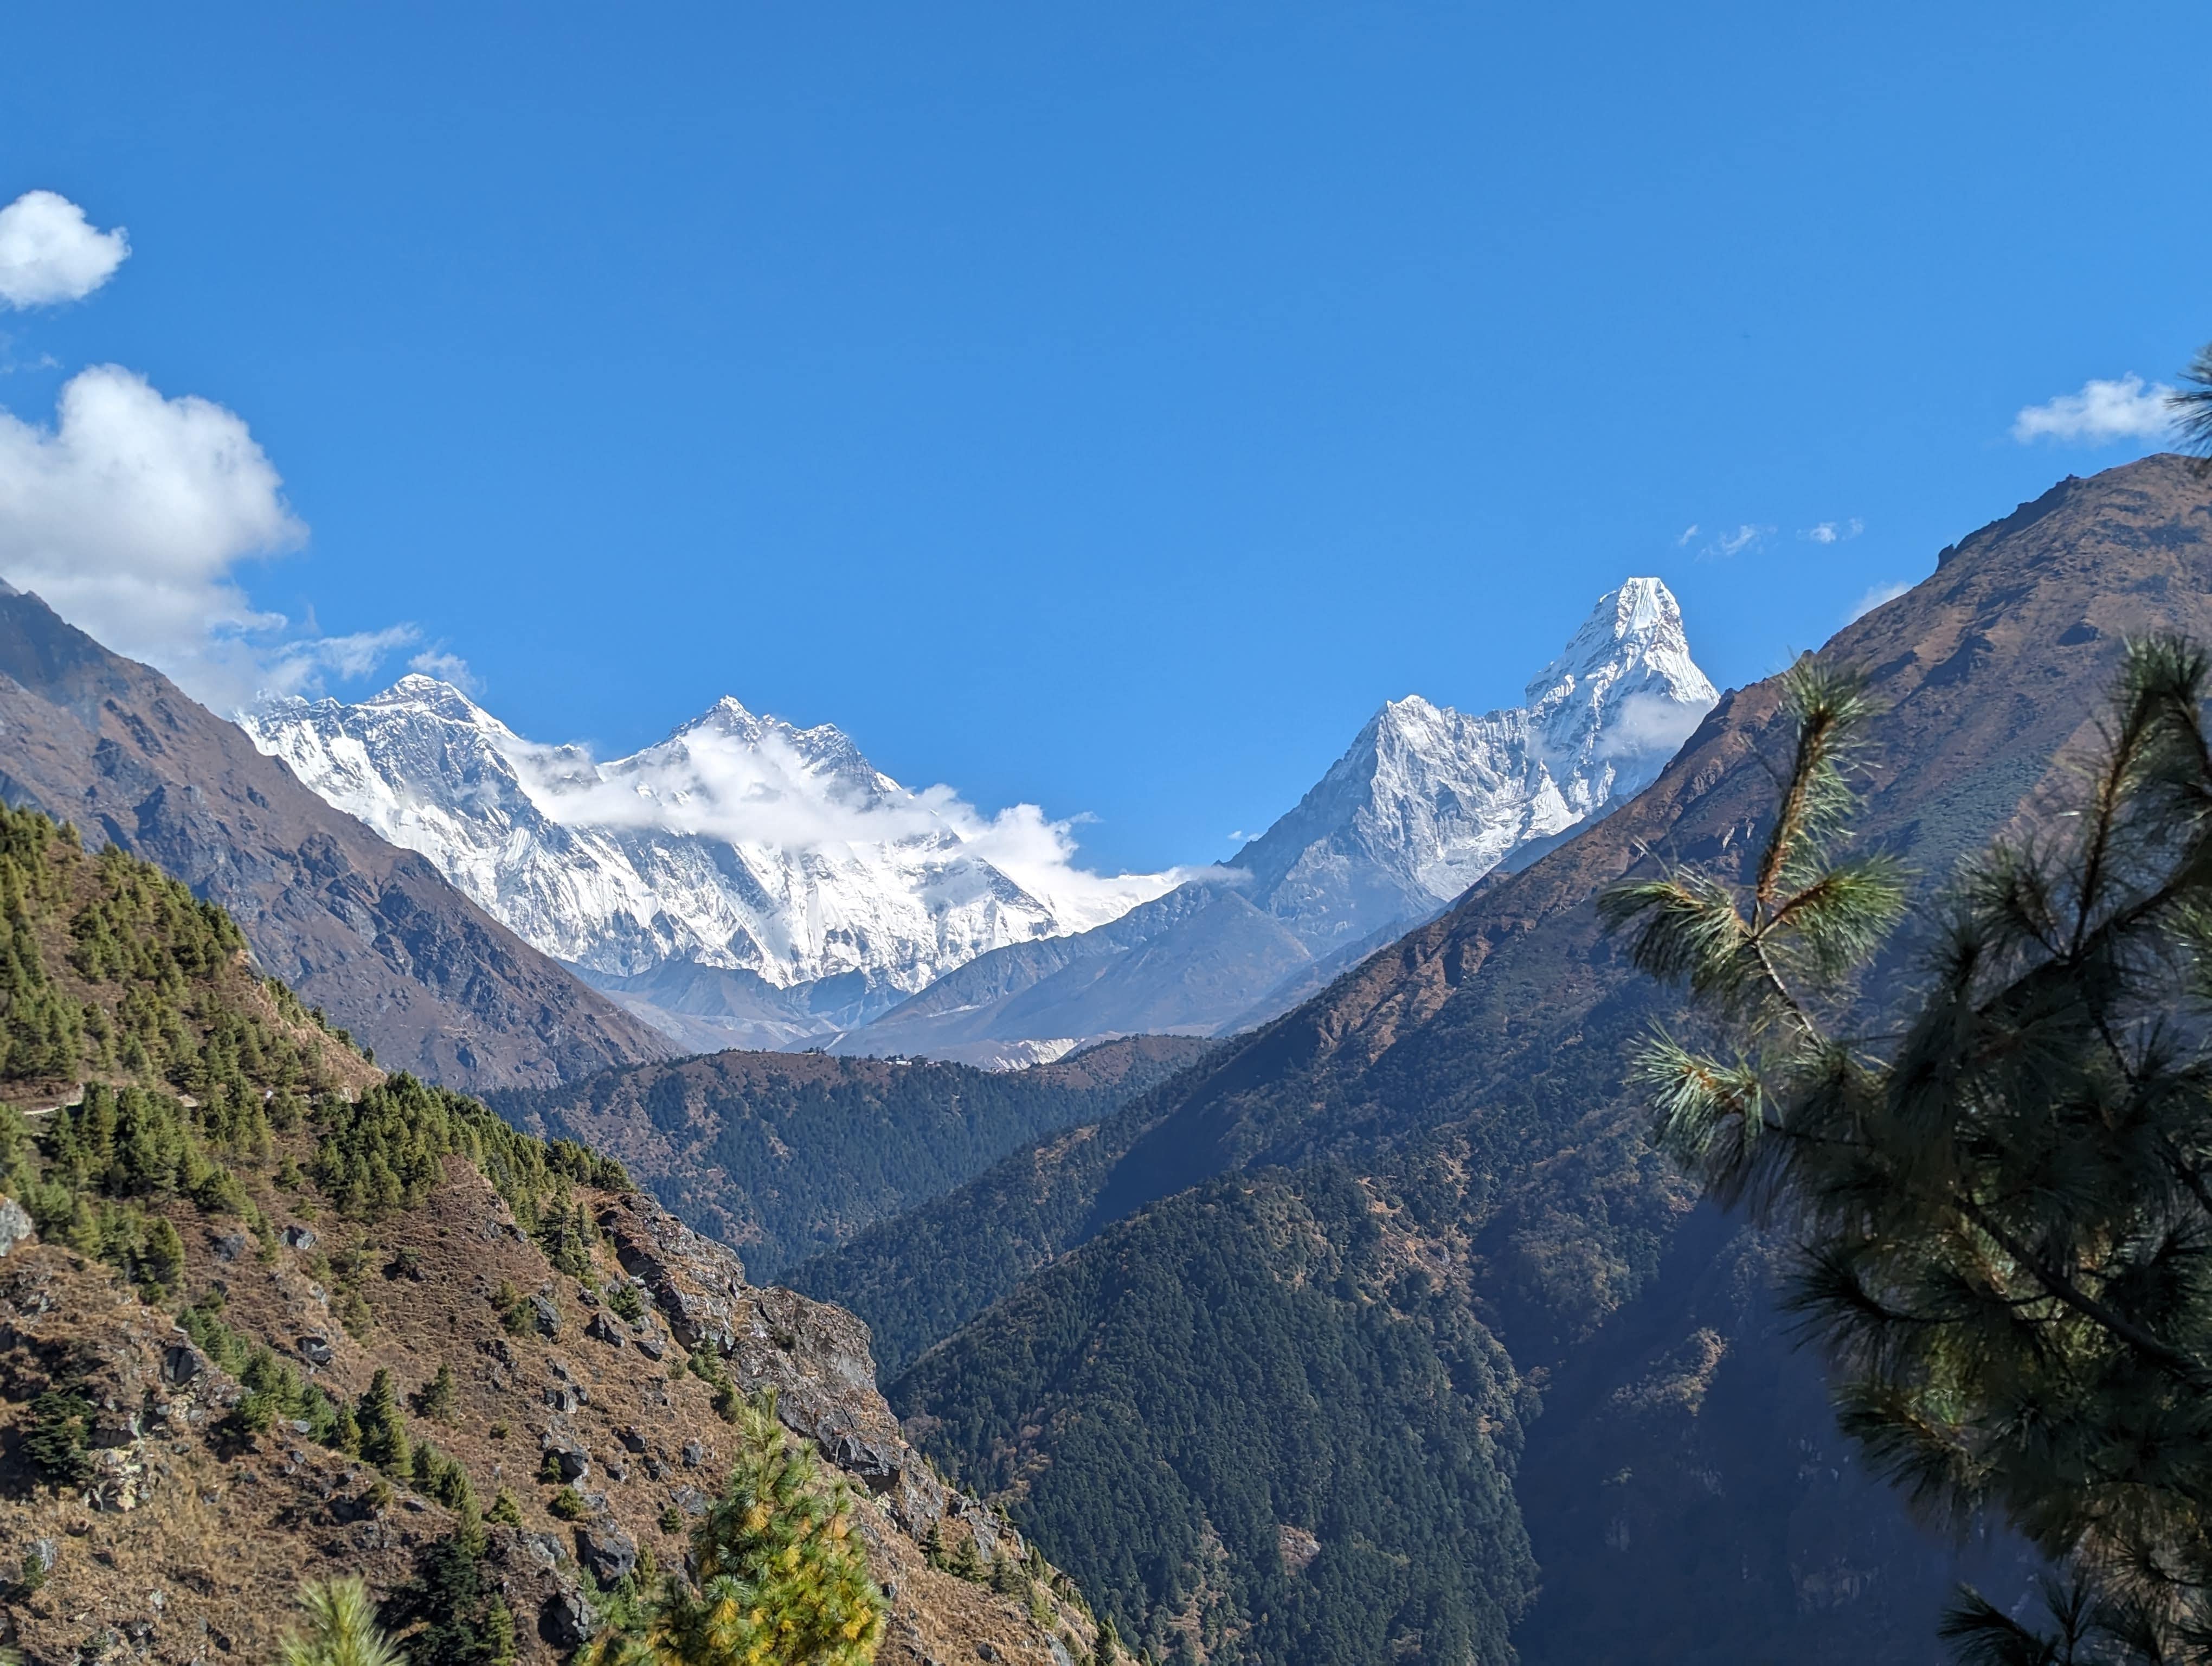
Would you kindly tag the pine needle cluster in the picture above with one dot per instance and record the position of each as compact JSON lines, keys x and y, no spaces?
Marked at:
{"x":341,"y":1629}
{"x":781,"y":1578}
{"x":2191,"y":405}
{"x":2005,"y":1204}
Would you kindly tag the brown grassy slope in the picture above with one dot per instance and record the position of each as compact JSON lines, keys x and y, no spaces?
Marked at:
{"x":1507,"y":1014}
{"x":178,"y":1525}
{"x":369,"y":932}
{"x":1992,"y":671}
{"x":189,"y":1544}
{"x":1685,"y":1489}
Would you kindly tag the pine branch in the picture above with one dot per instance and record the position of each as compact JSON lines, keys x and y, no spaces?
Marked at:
{"x":2123,"y":1329}
{"x":2190,"y":407}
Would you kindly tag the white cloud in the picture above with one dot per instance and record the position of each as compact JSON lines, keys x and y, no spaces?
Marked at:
{"x":2102,"y":412}
{"x":1834,"y":531}
{"x":50,"y":252}
{"x":1653,"y":725}
{"x":1038,"y":855}
{"x":288,"y":667}
{"x":446,"y":668}
{"x":1688,"y":532}
{"x":128,"y":517}
{"x":1723,"y":545}
{"x":1875,"y":597}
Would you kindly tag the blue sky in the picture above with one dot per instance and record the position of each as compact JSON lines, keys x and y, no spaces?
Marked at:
{"x":1107,"y":407}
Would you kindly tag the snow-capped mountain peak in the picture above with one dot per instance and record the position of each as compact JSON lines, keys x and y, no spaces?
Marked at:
{"x":743,"y":859}
{"x":1634,"y":632}
{"x":740,"y":842}
{"x":1428,"y":799}
{"x":1621,"y":697}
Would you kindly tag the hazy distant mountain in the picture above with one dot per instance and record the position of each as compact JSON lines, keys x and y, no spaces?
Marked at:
{"x":1425,"y":801}
{"x":742,"y":882}
{"x":372,"y":933}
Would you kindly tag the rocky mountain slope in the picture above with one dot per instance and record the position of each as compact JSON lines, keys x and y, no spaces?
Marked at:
{"x":1684,"y":1491}
{"x":1425,"y":802}
{"x":267,"y":1315}
{"x":370,"y":932}
{"x":742,"y":882}
{"x":782,"y":1155}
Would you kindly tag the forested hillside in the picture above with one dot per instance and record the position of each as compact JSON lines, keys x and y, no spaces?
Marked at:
{"x":782,"y":1154}
{"x":1265,"y":1426}
{"x":918,"y":1277}
{"x":1683,"y":1488}
{"x":266,"y":1314}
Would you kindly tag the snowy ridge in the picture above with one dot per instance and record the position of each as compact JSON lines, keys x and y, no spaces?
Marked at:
{"x":745,"y":882}
{"x":1428,"y":799}
{"x":740,"y":843}
{"x":1425,"y":802}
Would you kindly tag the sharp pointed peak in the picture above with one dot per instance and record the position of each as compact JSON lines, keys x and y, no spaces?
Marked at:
{"x":1410,"y":705}
{"x":1637,"y":606}
{"x":727,"y":715}
{"x":420,"y":689}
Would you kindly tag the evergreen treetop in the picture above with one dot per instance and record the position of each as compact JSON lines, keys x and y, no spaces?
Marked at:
{"x":782,"y":1579}
{"x":341,"y":1628}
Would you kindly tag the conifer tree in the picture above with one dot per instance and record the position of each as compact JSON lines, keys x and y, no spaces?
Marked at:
{"x":341,"y":1629}
{"x":454,"y":1606}
{"x":782,"y":1579}
{"x":2004,"y":1193}
{"x":436,"y":1397}
{"x":383,"y":1425}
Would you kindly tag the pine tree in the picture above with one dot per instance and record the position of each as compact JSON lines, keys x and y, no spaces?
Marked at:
{"x":383,"y":1425}
{"x":165,"y":1253}
{"x":436,"y":1397}
{"x":782,"y":1580}
{"x":2004,"y":1198}
{"x":454,"y":1606}
{"x":341,"y":1629}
